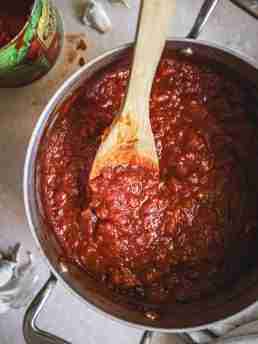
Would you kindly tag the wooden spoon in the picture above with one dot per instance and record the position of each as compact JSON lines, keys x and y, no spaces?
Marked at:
{"x":130,"y":140}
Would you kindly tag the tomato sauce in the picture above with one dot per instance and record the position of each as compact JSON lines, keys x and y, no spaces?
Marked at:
{"x":176,"y":236}
{"x":13,"y":17}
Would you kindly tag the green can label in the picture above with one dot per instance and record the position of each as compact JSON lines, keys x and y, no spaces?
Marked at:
{"x":34,"y":51}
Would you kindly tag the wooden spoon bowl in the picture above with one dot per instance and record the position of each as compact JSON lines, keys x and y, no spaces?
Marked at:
{"x":130,"y":139}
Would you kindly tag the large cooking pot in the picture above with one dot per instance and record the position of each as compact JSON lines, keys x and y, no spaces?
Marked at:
{"x":184,"y":317}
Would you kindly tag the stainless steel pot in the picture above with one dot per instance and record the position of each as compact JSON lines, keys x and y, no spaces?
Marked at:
{"x":184,"y":317}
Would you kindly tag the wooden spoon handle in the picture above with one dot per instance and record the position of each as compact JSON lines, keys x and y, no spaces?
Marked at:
{"x":152,"y":33}
{"x":130,"y":137}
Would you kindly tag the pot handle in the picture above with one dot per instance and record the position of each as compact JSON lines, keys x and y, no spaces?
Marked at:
{"x":250,"y":6}
{"x":183,"y":338}
{"x":202,"y":18}
{"x":32,"y":334}
{"x":147,"y":337}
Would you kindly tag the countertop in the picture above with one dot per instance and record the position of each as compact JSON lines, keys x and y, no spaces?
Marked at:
{"x":64,"y":315}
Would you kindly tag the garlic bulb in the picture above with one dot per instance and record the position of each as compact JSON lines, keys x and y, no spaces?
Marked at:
{"x":17,"y":279}
{"x":96,"y":16}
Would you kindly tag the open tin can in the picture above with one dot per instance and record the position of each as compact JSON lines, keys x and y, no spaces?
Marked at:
{"x":35,"y":49}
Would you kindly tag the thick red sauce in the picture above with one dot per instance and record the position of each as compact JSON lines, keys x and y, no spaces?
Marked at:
{"x":13,"y":17}
{"x":177,"y":236}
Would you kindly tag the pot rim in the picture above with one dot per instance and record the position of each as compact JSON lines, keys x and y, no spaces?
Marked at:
{"x":26,"y":177}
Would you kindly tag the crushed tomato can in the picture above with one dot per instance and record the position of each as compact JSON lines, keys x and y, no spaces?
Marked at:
{"x":34,"y":51}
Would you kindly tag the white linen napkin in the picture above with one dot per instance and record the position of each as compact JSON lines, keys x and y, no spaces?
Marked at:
{"x":242,"y":324}
{"x":246,"y":323}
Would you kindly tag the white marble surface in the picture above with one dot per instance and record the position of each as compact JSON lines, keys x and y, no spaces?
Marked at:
{"x":64,"y":315}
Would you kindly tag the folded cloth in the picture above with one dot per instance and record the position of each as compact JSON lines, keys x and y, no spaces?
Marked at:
{"x":243,"y":323}
{"x":231,"y":331}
